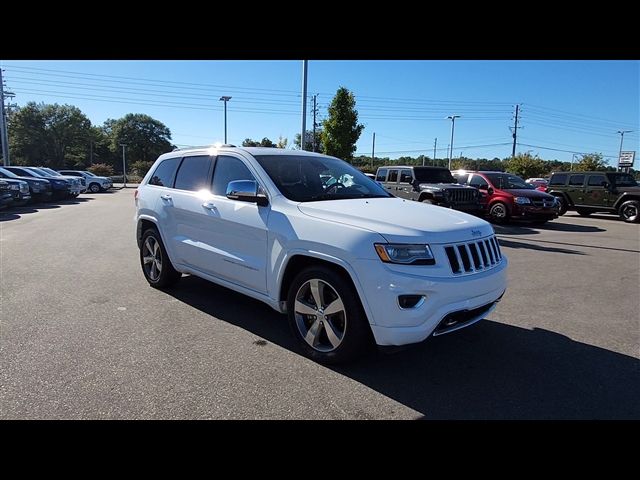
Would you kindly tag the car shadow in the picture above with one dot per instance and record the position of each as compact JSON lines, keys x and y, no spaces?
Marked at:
{"x":532,"y":246}
{"x":600,"y":216}
{"x":487,"y":371}
{"x":6,"y":216}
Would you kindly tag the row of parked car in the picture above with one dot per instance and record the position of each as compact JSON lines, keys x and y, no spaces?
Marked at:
{"x":21,"y":185}
{"x":504,"y":196}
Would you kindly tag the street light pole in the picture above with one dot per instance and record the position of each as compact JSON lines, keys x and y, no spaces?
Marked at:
{"x":225,"y":99}
{"x":453,"y":125}
{"x":124,"y":166}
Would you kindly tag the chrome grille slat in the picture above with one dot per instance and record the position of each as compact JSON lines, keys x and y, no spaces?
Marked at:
{"x":473,"y":257}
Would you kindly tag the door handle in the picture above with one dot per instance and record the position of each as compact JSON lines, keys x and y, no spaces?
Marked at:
{"x":165,"y":197}
{"x":209,"y":205}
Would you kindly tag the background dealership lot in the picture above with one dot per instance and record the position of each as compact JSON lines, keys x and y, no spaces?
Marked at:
{"x":84,"y":336}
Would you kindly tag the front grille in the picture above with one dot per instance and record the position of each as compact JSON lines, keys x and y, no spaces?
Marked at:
{"x":542,"y":202}
{"x":471,"y":257}
{"x":460,"y":195}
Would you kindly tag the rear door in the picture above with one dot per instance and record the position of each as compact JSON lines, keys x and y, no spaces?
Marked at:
{"x":595,"y":192}
{"x":576,"y":188}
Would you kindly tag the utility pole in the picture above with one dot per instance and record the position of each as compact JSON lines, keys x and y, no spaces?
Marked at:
{"x":435,"y":144}
{"x":304,"y":104}
{"x":315,"y":110}
{"x":225,"y":99}
{"x":515,"y":132}
{"x":4,"y":137}
{"x":373,"y":149}
{"x":91,"y":152}
{"x":124,"y":167}
{"x":453,"y":126}
{"x":622,"y":132}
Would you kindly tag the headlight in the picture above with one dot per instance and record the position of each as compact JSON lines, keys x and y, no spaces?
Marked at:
{"x":24,"y":188}
{"x":405,"y":254}
{"x":523,"y":200}
{"x":59,"y":182}
{"x":15,"y":186}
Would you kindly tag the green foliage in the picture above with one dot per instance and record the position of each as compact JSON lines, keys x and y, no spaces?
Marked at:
{"x":341,"y":130}
{"x":526,"y":166}
{"x":145,"y":137}
{"x":282,"y":142}
{"x":101,"y":169}
{"x":591,"y":162}
{"x":140,"y":168}
{"x":308,"y":141}
{"x":265,"y":142}
{"x":55,"y":135}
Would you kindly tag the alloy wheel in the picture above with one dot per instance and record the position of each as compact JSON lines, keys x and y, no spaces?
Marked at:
{"x":152,"y":259}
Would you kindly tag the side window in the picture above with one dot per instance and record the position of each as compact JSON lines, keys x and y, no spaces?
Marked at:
{"x":597,"y":180}
{"x":479,"y":182}
{"x":405,"y":176}
{"x":193,"y":173}
{"x":576,"y":180}
{"x":228,"y":169}
{"x":393,"y":176}
{"x":462,"y":178}
{"x":164,"y":173}
{"x":559,"y":179}
{"x":382,"y":175}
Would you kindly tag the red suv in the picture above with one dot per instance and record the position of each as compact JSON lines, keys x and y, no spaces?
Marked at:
{"x":510,"y":197}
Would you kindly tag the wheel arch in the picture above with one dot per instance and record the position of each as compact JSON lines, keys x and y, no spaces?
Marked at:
{"x":298,"y":261}
{"x":625,"y":197}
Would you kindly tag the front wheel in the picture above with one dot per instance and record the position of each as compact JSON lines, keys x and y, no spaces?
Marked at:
{"x":156,"y":266}
{"x":563,"y":206}
{"x":94,"y":188}
{"x":583,"y":212}
{"x":428,"y":200}
{"x":326,"y":317}
{"x":498,"y":212}
{"x":629,"y":211}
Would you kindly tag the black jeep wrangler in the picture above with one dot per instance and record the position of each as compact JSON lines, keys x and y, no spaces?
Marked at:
{"x":589,"y":192}
{"x":433,"y":185}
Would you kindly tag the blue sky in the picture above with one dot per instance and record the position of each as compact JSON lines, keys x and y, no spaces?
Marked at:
{"x":567,"y":107}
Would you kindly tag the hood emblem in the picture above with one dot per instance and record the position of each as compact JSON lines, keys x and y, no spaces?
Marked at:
{"x":475,"y":233}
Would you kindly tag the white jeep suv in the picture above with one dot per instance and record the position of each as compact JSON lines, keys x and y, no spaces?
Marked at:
{"x":347,"y":263}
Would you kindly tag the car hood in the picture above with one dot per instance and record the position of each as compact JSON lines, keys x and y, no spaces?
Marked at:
{"x":443,"y":185}
{"x":401,"y":220}
{"x":525,"y":192}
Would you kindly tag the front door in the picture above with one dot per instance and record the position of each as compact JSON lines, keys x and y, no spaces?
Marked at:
{"x":405,"y":185}
{"x":596,"y":194}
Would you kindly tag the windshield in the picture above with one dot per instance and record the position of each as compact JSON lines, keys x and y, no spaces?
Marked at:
{"x":7,"y":173}
{"x":88,"y":174}
{"x":48,"y":170}
{"x":37,"y":171}
{"x":429,"y":175}
{"x":309,"y":179}
{"x":624,"y":180}
{"x":507,"y":181}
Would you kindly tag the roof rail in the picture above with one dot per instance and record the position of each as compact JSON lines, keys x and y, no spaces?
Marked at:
{"x":193,"y":147}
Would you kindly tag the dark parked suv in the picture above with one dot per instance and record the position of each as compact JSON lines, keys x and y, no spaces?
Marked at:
{"x":6,"y":198}
{"x":39,"y":189}
{"x":509,"y":197}
{"x":433,"y":185}
{"x":589,"y":192}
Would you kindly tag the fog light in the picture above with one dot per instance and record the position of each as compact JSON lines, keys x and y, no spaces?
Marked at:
{"x":410,"y":301}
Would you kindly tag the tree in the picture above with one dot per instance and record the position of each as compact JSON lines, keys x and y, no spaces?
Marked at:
{"x":341,"y":129}
{"x":282,"y":142}
{"x":49,"y":134}
{"x":145,"y":137}
{"x":526,"y":166}
{"x":141,"y":167}
{"x":101,"y":169}
{"x":308,"y":141}
{"x":265,"y":142}
{"x":591,"y":162}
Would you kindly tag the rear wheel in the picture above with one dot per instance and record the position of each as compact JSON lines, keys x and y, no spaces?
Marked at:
{"x":498,"y":212}
{"x":584,"y":212}
{"x":630,"y":211}
{"x":326,"y":317}
{"x":156,"y":266}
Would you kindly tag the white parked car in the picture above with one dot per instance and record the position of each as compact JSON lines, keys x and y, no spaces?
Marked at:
{"x":94,"y":183}
{"x":348,"y":264}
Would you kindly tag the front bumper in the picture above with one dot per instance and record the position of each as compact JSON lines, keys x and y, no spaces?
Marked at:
{"x":6,"y":199}
{"x":392,"y":325}
{"x":530,"y":212}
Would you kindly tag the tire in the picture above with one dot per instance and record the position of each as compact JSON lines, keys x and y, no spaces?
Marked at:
{"x":428,"y":200}
{"x":584,"y":212}
{"x":499,"y":213}
{"x":155,"y":263}
{"x":349,"y":332}
{"x":94,"y":188}
{"x":630,"y":211}
{"x":563,"y":206}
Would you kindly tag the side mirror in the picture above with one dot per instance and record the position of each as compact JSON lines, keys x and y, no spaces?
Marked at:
{"x":606,"y":184}
{"x":490,"y":190}
{"x":246,"y":191}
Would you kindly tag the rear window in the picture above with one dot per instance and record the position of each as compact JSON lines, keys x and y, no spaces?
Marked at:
{"x":597,"y":180}
{"x":164,"y":172}
{"x":193,"y":173}
{"x":576,"y":180}
{"x":559,"y":179}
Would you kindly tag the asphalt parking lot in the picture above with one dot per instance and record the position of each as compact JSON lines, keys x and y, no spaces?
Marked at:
{"x":82,"y":335}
